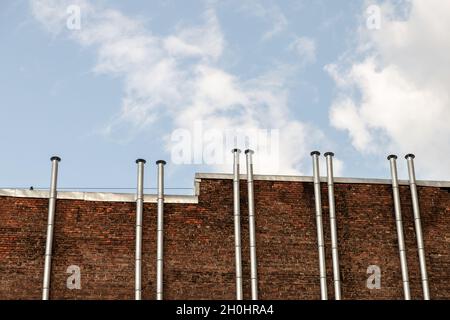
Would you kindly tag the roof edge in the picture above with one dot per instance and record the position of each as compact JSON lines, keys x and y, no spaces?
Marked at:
{"x":96,"y":196}
{"x":281,"y":178}
{"x":193,"y":199}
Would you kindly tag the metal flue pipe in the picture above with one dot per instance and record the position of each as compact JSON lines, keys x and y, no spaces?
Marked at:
{"x":333,"y":225}
{"x":418,"y":226}
{"x":252,"y":225}
{"x":139,"y":213}
{"x":50,"y":224}
{"x":160,"y":232}
{"x":237,"y":224}
{"x":399,"y":224}
{"x":320,"y":238}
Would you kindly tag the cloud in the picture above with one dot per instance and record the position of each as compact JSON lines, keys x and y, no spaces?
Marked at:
{"x":177,"y":79}
{"x":206,"y":41}
{"x":305,"y":48}
{"x":270,"y":12}
{"x":279,"y":23}
{"x":393,"y":96}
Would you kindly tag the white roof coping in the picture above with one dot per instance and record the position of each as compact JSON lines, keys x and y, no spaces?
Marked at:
{"x":226,"y":176}
{"x":152,"y":198}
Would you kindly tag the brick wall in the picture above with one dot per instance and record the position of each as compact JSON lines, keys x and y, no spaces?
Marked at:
{"x":199,"y":244}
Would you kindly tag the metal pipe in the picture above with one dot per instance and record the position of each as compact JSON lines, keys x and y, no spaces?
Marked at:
{"x":139,"y":212}
{"x":333,"y":226}
{"x":320,"y":238}
{"x":237,"y":224}
{"x":252,"y":226}
{"x":418,"y":226}
{"x":160,"y":231}
{"x":50,"y":224}
{"x":399,"y":223}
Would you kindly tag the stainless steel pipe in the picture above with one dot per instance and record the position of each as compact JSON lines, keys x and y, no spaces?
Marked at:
{"x":252,"y":225}
{"x":139,"y":213}
{"x":320,"y":238}
{"x":50,"y":224}
{"x":237,"y":224}
{"x":399,"y":224}
{"x":418,"y":226}
{"x":160,"y":232}
{"x":333,"y":226}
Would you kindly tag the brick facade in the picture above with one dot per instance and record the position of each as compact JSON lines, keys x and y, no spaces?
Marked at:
{"x":99,"y":237}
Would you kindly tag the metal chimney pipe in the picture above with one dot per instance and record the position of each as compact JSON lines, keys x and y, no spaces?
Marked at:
{"x":160,"y":231}
{"x":252,"y":226}
{"x":139,"y":212}
{"x":320,"y":238}
{"x":399,"y":223}
{"x":333,"y":225}
{"x":418,"y":226}
{"x":237,"y":224}
{"x":50,"y":223}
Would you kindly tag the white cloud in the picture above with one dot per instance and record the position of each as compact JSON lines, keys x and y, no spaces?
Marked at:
{"x":279,"y":23}
{"x":177,"y":77}
{"x":305,"y":48}
{"x":395,"y":98}
{"x":206,"y":41}
{"x":269,"y":11}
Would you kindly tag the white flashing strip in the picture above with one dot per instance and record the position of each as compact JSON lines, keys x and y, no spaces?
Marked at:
{"x":224,"y":176}
{"x":96,"y":196}
{"x":152,"y":198}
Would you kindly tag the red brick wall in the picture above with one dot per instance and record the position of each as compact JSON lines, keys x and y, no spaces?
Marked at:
{"x":199,"y":244}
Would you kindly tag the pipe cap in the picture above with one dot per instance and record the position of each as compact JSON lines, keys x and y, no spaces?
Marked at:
{"x":236,"y":150}
{"x":410,"y":156}
{"x":55,"y":158}
{"x":161,"y":162}
{"x":249,"y":151}
{"x":331,"y":154}
{"x":315,"y":153}
{"x":141,"y":161}
{"x":392,"y":156}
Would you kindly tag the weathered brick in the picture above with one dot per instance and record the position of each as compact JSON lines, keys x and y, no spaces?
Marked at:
{"x":199,"y":244}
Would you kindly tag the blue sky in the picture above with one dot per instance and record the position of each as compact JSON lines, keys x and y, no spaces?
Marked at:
{"x":118,"y":87}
